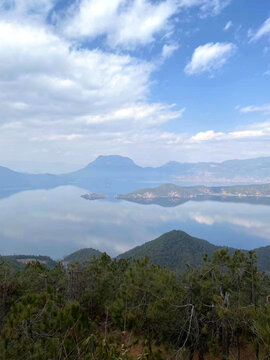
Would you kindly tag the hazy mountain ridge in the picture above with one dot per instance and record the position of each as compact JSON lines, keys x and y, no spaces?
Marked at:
{"x":118,"y":168}
{"x":257,"y":169}
{"x":10,"y":179}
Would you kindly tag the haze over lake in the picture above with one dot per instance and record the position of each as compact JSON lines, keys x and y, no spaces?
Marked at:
{"x":57,"y":222}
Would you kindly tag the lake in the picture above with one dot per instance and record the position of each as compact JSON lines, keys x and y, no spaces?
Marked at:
{"x":57,"y":222}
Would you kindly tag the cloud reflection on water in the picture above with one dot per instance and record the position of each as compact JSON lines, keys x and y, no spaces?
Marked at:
{"x":58,"y":221}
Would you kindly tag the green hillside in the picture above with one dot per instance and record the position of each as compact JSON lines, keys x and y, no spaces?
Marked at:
{"x":176,"y":248}
{"x":20,"y":261}
{"x":263,"y":254}
{"x":82,"y":255}
{"x":173,"y":249}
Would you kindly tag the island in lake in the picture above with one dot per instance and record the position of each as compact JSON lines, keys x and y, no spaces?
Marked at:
{"x":173,"y":195}
{"x":93,"y":196}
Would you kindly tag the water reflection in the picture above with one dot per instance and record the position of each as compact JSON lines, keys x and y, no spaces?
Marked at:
{"x":172,"y":202}
{"x":58,"y":221}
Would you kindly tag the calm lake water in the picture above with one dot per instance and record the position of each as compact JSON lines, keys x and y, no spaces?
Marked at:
{"x":57,"y":222}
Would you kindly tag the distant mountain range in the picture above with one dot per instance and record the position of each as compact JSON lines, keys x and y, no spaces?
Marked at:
{"x":233,"y":171}
{"x":106,"y":171}
{"x":173,"y":195}
{"x":174,"y":250}
{"x":10,"y":179}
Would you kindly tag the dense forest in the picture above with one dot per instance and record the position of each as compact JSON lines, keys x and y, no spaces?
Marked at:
{"x":129,"y":309}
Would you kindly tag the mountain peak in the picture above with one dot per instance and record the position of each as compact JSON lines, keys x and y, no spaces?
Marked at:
{"x":115,"y":161}
{"x":82,"y":255}
{"x":173,"y":249}
{"x":115,"y":158}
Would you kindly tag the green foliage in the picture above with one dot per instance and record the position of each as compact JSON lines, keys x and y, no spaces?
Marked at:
{"x":144,"y":302}
{"x":42,"y":326}
{"x":105,"y":308}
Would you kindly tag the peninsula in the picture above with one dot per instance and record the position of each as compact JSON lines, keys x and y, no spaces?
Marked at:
{"x":174,"y":194}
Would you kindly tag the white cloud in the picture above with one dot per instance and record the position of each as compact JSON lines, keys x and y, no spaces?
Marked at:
{"x":228,"y":26}
{"x":64,"y":101}
{"x":26,"y":10}
{"x":206,"y":136}
{"x":140,"y":114}
{"x":247,"y":134}
{"x":128,"y":23}
{"x":168,"y":50}
{"x":57,"y":100}
{"x":40,"y":72}
{"x":253,"y":131}
{"x":264,"y":109}
{"x":209,"y":57}
{"x":262,"y":31}
{"x":212,"y":7}
{"x":240,"y":217}
{"x":69,"y":137}
{"x":202,"y":219}
{"x":123,"y":22}
{"x":81,"y":142}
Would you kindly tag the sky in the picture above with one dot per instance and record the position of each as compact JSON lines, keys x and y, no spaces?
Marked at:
{"x":155,"y":80}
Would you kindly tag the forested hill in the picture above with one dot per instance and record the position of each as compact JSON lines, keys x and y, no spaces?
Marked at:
{"x":19,"y":261}
{"x":82,"y":255}
{"x":263,"y":254}
{"x":176,"y":248}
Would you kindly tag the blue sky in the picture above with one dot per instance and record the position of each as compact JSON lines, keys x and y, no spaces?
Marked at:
{"x":184,"y":80}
